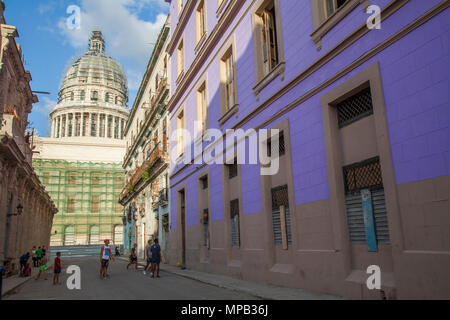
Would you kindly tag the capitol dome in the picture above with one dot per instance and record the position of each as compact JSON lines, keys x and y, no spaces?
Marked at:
{"x":93,"y":97}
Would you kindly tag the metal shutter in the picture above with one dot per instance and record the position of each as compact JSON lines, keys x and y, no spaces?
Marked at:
{"x":280,"y":198}
{"x":276,"y":223}
{"x":355,"y":219}
{"x":380,"y":216}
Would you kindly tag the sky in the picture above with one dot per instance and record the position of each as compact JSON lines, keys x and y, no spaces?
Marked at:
{"x":130,"y":28}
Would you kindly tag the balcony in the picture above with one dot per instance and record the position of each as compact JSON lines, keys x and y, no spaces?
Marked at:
{"x":163,"y":197}
{"x":145,"y":172}
{"x":10,"y":127}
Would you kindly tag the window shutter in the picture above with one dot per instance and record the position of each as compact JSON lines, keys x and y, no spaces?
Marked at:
{"x":365,"y":175}
{"x":280,"y":198}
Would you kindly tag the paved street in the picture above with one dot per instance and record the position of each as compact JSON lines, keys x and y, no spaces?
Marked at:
{"x":123,"y":284}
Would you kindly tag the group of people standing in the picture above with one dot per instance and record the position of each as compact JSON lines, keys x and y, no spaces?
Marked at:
{"x":39,"y":259}
{"x":38,"y":256}
{"x":152,"y":255}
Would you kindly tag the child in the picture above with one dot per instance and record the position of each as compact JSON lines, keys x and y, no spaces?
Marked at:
{"x":27,"y":271}
{"x":43,"y":267}
{"x":57,"y":268}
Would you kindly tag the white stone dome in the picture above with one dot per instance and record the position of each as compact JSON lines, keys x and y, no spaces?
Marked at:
{"x":93,"y":96}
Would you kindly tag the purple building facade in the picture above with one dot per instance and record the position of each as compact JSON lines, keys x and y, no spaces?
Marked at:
{"x":364,"y":116}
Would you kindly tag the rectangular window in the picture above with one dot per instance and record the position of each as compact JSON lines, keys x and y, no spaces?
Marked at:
{"x":180,"y":55}
{"x":281,"y":219}
{"x":46,"y":178}
{"x":269,"y":38}
{"x":70,"y":125}
{"x":85,"y":124}
{"x":94,"y":125}
{"x":72,"y":179}
{"x":96,"y":179}
{"x":201,"y":20}
{"x":355,"y":108}
{"x":102,"y":126}
{"x":281,"y":145}
{"x":202,"y":108}
{"x":232,"y":169}
{"x":165,"y":135}
{"x":110,"y":126}
{"x":77,"y":124}
{"x":180,"y":140}
{"x":82,"y":95}
{"x":235,"y":226}
{"x":333,"y":5}
{"x":116,"y":128}
{"x":363,"y":182}
{"x":59,"y":127}
{"x":122,"y":125}
{"x":70,"y":204}
{"x":204,"y":182}
{"x":229,"y":82}
{"x":95,"y":204}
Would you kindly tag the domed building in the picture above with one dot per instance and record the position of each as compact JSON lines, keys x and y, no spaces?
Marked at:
{"x":81,"y":162}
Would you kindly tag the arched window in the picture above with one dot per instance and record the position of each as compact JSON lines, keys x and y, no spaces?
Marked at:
{"x":107,"y":97}
{"x":94,"y":96}
{"x":94,"y":235}
{"x":116,"y":100}
{"x":118,"y":234}
{"x":82,"y":95}
{"x":72,"y":96}
{"x":69,"y":236}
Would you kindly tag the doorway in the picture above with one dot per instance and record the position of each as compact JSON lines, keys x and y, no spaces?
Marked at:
{"x":182,"y":196}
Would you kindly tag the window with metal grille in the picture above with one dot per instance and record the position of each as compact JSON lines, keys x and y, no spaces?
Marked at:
{"x":281,"y":145}
{"x":355,"y":108}
{"x":363,"y":175}
{"x":204,"y":181}
{"x":235,"y":228}
{"x":232,"y":170}
{"x":280,"y":198}
{"x":359,"y":176}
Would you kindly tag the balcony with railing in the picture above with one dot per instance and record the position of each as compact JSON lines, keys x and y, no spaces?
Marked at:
{"x":145,"y":171}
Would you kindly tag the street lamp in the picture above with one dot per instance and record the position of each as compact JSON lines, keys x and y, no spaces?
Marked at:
{"x":18,"y":213}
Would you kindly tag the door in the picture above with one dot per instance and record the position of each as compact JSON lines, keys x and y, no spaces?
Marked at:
{"x":183,"y":227}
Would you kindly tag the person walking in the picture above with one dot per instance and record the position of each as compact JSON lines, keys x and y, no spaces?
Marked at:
{"x":105,"y":257}
{"x":33,"y":256}
{"x":57,"y":268}
{"x":133,"y":256}
{"x":43,"y":268}
{"x":156,"y":258}
{"x":23,"y":263}
{"x":38,"y":257}
{"x":148,"y":256}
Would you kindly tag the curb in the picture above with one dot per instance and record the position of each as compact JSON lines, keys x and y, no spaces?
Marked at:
{"x":7,"y":292}
{"x":231,"y":286}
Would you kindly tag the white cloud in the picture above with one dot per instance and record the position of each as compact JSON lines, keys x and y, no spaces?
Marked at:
{"x":127,"y":37}
{"x":44,"y":106}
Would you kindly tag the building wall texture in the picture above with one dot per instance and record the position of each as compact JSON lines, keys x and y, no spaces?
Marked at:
{"x":26,"y":209}
{"x":404,"y":64}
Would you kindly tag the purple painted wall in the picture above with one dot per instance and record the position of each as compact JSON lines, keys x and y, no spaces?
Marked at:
{"x":415,"y":83}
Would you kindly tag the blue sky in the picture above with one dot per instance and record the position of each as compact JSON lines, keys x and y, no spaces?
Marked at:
{"x":129,"y":27}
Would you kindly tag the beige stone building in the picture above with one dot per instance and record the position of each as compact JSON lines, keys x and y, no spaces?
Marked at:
{"x":26,"y":209}
{"x":81,"y":163}
{"x":145,"y":194}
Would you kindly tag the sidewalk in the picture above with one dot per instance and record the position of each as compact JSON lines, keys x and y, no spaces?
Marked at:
{"x":13,"y":282}
{"x":260,"y":290}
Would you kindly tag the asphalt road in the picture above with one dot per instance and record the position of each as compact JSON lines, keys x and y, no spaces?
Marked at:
{"x":123,"y":284}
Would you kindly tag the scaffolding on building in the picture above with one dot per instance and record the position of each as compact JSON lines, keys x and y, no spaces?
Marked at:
{"x":86,"y":195}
